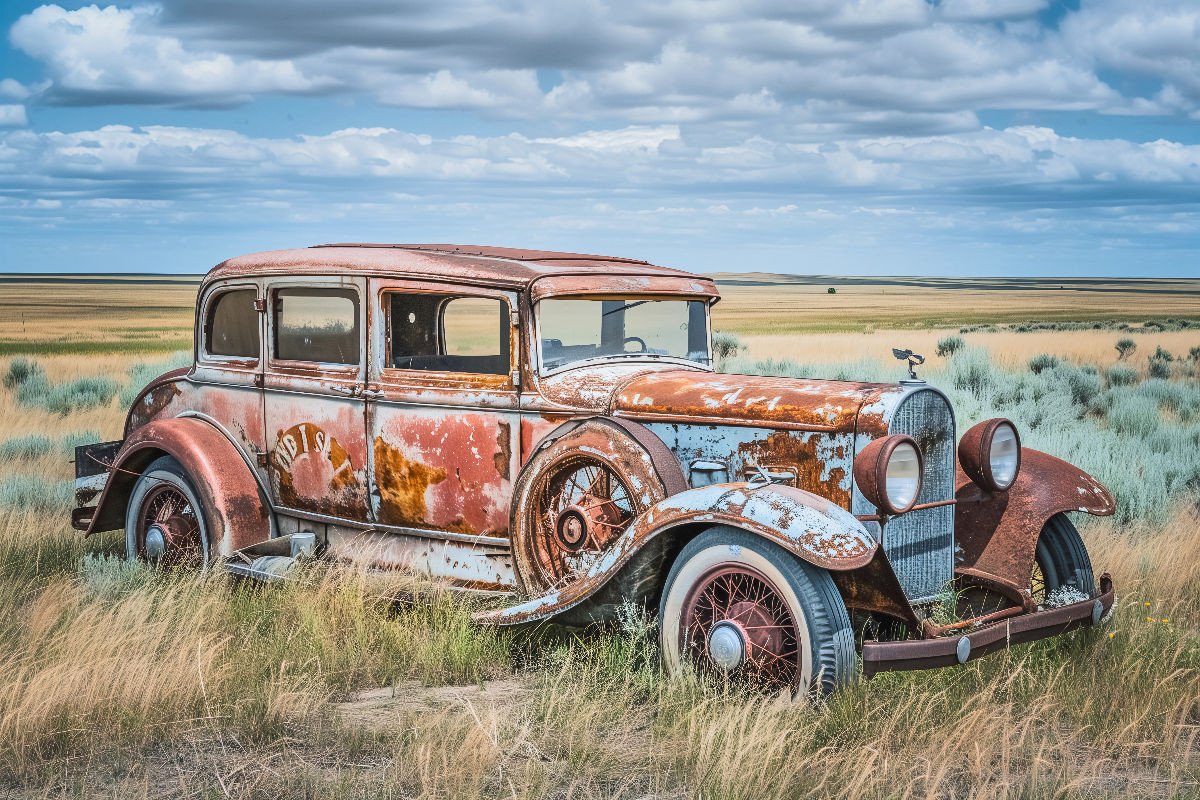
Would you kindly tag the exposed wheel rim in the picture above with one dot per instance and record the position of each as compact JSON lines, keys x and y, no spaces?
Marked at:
{"x":736,"y":622}
{"x":579,"y":507}
{"x":168,"y":530}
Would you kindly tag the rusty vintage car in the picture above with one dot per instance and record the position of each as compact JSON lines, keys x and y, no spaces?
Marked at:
{"x":551,"y":425}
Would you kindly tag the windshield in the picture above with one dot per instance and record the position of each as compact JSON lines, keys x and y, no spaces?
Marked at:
{"x":574,"y":329}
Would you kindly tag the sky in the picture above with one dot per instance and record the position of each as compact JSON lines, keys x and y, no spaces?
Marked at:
{"x":858,"y":137}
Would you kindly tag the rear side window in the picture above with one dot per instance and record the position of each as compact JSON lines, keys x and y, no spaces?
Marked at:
{"x":317,"y":325}
{"x":232,"y":325}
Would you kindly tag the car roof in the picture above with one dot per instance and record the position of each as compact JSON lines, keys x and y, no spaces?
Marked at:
{"x":493,"y":266}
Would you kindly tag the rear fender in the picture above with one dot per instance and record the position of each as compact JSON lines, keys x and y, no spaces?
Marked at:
{"x":237,"y":512}
{"x":805,"y":524}
{"x":998,"y":531}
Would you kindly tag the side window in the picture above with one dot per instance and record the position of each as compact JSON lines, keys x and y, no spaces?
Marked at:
{"x":443,"y":333}
{"x":317,"y":325}
{"x":231,"y":328}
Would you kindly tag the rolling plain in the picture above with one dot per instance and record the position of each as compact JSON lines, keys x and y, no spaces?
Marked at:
{"x":120,"y":681}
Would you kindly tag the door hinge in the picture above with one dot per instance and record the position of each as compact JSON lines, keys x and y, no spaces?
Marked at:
{"x":260,"y":459}
{"x":260,"y":305}
{"x":258,"y":380}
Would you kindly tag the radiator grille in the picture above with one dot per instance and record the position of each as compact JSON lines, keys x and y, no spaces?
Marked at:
{"x":920,"y":544}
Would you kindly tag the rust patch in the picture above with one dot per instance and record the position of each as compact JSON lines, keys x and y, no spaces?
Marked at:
{"x":503,"y":456}
{"x":787,"y":448}
{"x":312,"y":466}
{"x":402,"y":484}
{"x":150,"y":404}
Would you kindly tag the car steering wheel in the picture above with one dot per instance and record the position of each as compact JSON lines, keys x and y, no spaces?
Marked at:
{"x":637,"y":339}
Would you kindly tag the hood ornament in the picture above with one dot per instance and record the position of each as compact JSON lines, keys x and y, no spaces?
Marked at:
{"x":914,"y":361}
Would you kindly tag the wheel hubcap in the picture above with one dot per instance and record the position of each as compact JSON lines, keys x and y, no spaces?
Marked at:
{"x":727,"y":645}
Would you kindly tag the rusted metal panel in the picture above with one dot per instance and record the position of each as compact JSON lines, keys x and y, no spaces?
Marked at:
{"x":947,"y":651}
{"x":636,"y":285}
{"x":237,"y":512}
{"x":487,"y":266}
{"x":805,"y":524}
{"x":998,"y":532}
{"x":442,"y":468}
{"x":462,"y":565}
{"x":696,"y":397}
{"x":820,"y":462}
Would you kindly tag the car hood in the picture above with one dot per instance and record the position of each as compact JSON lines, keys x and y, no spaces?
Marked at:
{"x":718,"y":398}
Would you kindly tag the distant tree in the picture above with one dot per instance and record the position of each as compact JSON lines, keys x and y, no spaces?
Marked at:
{"x":1125,"y":347}
{"x":831,"y":290}
{"x":1194,"y":354}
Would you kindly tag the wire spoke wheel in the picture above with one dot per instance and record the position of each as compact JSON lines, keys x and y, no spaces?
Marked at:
{"x":580,"y":506}
{"x":168,"y":530}
{"x":737,"y":624}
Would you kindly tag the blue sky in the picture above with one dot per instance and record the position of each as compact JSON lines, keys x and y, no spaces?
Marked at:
{"x":968,"y":137}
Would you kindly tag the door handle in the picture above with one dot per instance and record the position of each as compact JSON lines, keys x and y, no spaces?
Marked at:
{"x":350,"y":391}
{"x":372,"y":394}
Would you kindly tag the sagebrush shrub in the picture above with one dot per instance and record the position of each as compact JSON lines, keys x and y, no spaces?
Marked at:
{"x":25,"y":447}
{"x":725,"y":345}
{"x":1041,"y":362}
{"x":30,"y":493}
{"x":1120,"y":375}
{"x":950,"y":345}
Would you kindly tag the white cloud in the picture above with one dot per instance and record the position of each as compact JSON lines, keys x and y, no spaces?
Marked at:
{"x":12,"y":116}
{"x":769,"y":63}
{"x":13,"y":89}
{"x":118,"y":56}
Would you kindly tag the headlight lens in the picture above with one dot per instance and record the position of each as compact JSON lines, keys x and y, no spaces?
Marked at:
{"x":903,"y":476}
{"x":1005,"y":456}
{"x":990,"y":454}
{"x":888,"y":472}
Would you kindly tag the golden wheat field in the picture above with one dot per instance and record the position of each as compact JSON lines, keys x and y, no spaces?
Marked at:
{"x":120,"y":681}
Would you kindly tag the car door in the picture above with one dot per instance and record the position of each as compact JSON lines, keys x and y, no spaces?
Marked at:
{"x":442,"y":409}
{"x":312,"y":397}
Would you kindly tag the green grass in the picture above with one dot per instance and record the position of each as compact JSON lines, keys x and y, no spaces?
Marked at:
{"x":54,"y":347}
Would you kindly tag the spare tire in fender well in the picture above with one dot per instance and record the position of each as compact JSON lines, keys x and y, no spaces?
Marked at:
{"x":232,"y":501}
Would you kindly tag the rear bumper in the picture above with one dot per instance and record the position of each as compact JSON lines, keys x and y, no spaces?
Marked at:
{"x":947,"y":651}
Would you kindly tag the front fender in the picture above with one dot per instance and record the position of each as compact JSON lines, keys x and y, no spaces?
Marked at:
{"x":237,"y":512}
{"x":998,"y":531}
{"x":805,"y":524}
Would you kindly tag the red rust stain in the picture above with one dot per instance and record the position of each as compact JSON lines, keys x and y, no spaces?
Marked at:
{"x":239,"y":411}
{"x":402,"y":485}
{"x":533,"y":430}
{"x":470,"y":495}
{"x":313,"y":470}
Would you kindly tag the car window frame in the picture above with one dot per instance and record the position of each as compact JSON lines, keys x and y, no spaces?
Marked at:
{"x":382,"y":373}
{"x":308,"y":368}
{"x":622,"y":358}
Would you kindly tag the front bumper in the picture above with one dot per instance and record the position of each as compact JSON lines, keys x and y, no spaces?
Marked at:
{"x":947,"y":651}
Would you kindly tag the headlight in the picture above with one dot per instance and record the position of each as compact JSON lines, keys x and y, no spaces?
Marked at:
{"x":888,"y":472}
{"x":990,"y":454}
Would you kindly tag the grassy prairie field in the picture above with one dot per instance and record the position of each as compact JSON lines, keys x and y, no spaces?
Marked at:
{"x":118,"y":681}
